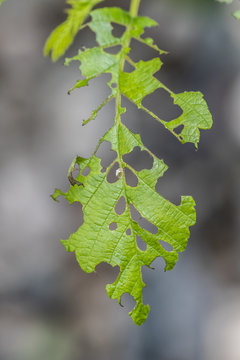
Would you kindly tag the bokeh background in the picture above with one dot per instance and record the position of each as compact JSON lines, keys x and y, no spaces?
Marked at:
{"x":50,"y":309}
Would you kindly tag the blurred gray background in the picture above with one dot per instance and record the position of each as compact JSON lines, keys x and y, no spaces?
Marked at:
{"x":50,"y":309}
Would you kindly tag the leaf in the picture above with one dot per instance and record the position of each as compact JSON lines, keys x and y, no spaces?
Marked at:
{"x":236,"y":14}
{"x":62,"y":37}
{"x":225,"y":1}
{"x":140,"y":82}
{"x":94,"y":242}
{"x":106,"y":236}
{"x":195,"y":116}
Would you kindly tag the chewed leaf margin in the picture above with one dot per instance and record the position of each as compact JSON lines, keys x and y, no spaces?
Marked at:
{"x":141,"y":82}
{"x":105,"y":235}
{"x":94,"y":242}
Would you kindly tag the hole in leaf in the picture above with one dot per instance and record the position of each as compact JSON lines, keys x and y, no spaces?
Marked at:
{"x":139,"y":159}
{"x":120,"y":206}
{"x":128,"y":232}
{"x":161,"y":103}
{"x":179,"y":129}
{"x":114,"y":50}
{"x":140,"y":51}
{"x":128,"y":68}
{"x":131,"y":178}
{"x":106,"y":154}
{"x":127,"y":301}
{"x":109,"y":272}
{"x":86,"y":171}
{"x":158,"y":264}
{"x":144,"y":223}
{"x":140,"y":243}
{"x":118,"y":30}
{"x":113,"y":226}
{"x":130,"y":118}
{"x":114,"y":85}
{"x":75,"y":171}
{"x":166,"y":245}
{"x":111,"y":176}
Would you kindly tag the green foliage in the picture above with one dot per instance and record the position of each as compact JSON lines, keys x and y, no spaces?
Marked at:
{"x":94,"y":242}
{"x":107,"y":235}
{"x":236,"y":14}
{"x":62,"y":37}
{"x":225,"y":1}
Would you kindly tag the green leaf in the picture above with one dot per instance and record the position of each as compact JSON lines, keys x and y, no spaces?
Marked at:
{"x":140,"y":82}
{"x":95,"y":112}
{"x":101,"y":25}
{"x":236,"y":14}
{"x":225,"y":1}
{"x":94,"y":242}
{"x":97,"y":240}
{"x":62,"y":37}
{"x":195,"y":116}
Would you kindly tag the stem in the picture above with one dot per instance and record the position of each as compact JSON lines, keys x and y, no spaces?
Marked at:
{"x":134,"y":7}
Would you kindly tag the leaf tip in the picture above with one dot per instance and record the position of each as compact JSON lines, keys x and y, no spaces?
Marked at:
{"x":140,"y":313}
{"x":67,"y":245}
{"x":56,"y":195}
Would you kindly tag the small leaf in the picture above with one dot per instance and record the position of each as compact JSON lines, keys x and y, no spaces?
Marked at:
{"x":95,"y":112}
{"x":195,"y":116}
{"x":225,"y":1}
{"x":236,"y":14}
{"x":62,"y":37}
{"x":140,"y":83}
{"x":78,"y":85}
